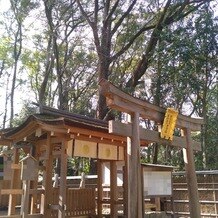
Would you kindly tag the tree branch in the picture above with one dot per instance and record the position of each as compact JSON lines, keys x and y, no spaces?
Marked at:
{"x":162,"y":22}
{"x":131,"y":41}
{"x":143,"y":64}
{"x":85,"y":15}
{"x":112,"y":11}
{"x":93,"y":25}
{"x":96,"y":12}
{"x":119,"y":22}
{"x":2,"y":67}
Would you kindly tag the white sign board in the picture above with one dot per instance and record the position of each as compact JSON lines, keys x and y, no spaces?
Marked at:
{"x":157,"y":183}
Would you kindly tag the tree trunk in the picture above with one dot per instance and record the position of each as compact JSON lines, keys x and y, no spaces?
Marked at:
{"x":48,"y":71}
{"x":17,"y":53}
{"x":157,"y":99}
{"x":6,"y":106}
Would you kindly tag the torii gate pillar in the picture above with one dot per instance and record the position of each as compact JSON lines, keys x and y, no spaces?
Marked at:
{"x":135,"y":202}
{"x":191,"y":177}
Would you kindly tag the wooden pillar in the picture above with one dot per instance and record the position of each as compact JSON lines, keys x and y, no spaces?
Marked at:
{"x":33,"y":206}
{"x":157,"y":203}
{"x":33,"y":186}
{"x":113,"y":189}
{"x":191,"y":177}
{"x":135,"y":181}
{"x":63,"y":181}
{"x":47,"y":180}
{"x":25,"y":199}
{"x":100,"y":191}
{"x":125,"y":184}
{"x":14,"y":184}
{"x":214,"y":194}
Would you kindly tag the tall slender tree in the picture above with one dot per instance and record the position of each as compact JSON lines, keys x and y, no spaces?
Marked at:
{"x":17,"y":52}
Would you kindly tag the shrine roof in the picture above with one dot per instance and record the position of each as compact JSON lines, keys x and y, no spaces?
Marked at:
{"x":60,"y":122}
{"x":60,"y":118}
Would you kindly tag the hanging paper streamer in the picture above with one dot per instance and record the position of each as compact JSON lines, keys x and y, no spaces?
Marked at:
{"x":169,"y":124}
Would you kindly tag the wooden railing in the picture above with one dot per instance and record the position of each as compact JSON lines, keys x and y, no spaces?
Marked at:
{"x":80,"y":202}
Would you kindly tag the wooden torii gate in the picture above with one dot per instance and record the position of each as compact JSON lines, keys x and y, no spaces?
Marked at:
{"x":117,"y":99}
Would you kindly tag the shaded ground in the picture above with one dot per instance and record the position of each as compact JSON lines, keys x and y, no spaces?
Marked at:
{"x":4,"y":211}
{"x":148,"y":215}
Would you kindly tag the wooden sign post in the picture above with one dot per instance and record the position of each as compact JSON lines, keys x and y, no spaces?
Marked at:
{"x":29,"y":170}
{"x":116,"y":99}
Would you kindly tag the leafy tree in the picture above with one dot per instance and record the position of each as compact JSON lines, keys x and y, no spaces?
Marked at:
{"x":20,"y":10}
{"x":187,"y":55}
{"x":161,"y":51}
{"x":13,"y":36}
{"x":68,"y":52}
{"x":108,"y":19}
{"x":6,"y":62}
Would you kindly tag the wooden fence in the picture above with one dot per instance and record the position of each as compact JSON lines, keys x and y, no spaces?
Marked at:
{"x":4,"y":198}
{"x":208,"y":194}
{"x":207,"y":186}
{"x":80,"y":202}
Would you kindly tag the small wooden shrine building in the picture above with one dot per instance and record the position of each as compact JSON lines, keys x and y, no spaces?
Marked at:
{"x":58,"y":134}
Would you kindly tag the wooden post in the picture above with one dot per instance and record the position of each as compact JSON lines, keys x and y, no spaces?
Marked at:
{"x":25,"y":199}
{"x":125,"y":184}
{"x":14,"y":184}
{"x":63,"y":181}
{"x":100,"y":191}
{"x":33,"y":206}
{"x":47,"y":180}
{"x":157,"y":203}
{"x":33,"y":186}
{"x":172,"y":199}
{"x":135,"y":181}
{"x":113,"y":188}
{"x":191,"y":177}
{"x":214,"y":195}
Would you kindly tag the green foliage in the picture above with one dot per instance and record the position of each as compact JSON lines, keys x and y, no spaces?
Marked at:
{"x":26,"y":111}
{"x":61,"y":61}
{"x":77,"y":165}
{"x":22,"y":8}
{"x":5,"y":51}
{"x":185,"y":77}
{"x":211,"y":149}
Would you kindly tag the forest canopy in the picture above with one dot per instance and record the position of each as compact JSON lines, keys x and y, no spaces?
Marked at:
{"x":54,"y":52}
